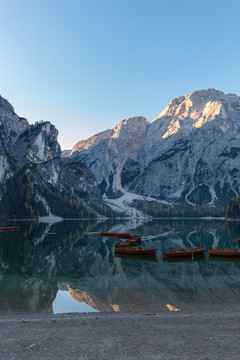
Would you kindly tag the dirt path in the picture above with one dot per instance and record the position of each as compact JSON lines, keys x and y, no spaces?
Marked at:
{"x":167,"y":336}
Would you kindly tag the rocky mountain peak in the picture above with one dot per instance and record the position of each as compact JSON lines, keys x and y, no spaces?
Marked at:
{"x":125,"y":130}
{"x":92,"y":141}
{"x":11,"y":124}
{"x":107,"y":152}
{"x":130,"y":127}
{"x":191,"y":111}
{"x":5,"y":105}
{"x":38,"y":144}
{"x":31,"y":155}
{"x":189,"y":154}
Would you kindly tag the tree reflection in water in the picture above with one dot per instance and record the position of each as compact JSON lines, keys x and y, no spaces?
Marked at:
{"x":38,"y":261}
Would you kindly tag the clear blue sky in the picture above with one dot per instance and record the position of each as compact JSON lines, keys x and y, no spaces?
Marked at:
{"x":85,"y":65}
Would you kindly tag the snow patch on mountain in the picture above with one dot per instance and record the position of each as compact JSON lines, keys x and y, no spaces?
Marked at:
{"x":190,"y":153}
{"x":123,"y":204}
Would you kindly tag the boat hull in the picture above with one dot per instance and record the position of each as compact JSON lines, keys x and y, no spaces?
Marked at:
{"x":12,"y":228}
{"x":135,"y":251}
{"x":225,"y":252}
{"x":136,"y":237}
{"x":184,"y":253}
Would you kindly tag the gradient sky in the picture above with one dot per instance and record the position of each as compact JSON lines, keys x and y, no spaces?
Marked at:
{"x":85,"y":65}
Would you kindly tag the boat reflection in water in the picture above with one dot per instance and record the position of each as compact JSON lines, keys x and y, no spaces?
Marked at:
{"x":137,"y":257}
{"x":227,"y":259}
{"x":69,"y":271}
{"x":184,"y":259}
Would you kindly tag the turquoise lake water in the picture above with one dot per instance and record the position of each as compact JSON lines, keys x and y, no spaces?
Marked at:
{"x":62,"y":269}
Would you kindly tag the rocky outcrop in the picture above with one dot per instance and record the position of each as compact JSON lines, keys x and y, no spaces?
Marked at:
{"x":189,"y":154}
{"x":10,"y":127}
{"x":37,"y":144}
{"x":34,"y":150}
{"x":191,"y":151}
{"x":106,"y":153}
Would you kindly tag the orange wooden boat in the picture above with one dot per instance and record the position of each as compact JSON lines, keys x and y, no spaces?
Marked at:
{"x":224,"y":252}
{"x":126,"y":243}
{"x":134,"y":242}
{"x":11,"y":228}
{"x":129,"y":236}
{"x":135,"y":250}
{"x":184,"y":252}
{"x":109,"y":234}
{"x":122,"y":235}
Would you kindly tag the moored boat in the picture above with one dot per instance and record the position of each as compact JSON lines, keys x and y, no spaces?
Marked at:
{"x":224,"y":252}
{"x":9,"y":228}
{"x":128,"y":236}
{"x":135,"y":250}
{"x":184,"y":252}
{"x":130,"y":243}
{"x":109,"y":234}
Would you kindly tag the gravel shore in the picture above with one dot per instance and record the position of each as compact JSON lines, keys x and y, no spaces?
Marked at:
{"x":103,"y":336}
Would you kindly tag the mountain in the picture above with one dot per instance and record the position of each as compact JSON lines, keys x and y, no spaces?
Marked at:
{"x":107,"y":152}
{"x":11,"y":127}
{"x":187,"y":158}
{"x":189,"y":154}
{"x":34,"y":180}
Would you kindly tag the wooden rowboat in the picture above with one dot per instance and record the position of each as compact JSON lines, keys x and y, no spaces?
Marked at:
{"x":224,"y":252}
{"x":128,"y":243}
{"x":122,"y":235}
{"x":129,"y":236}
{"x":109,"y":234}
{"x":184,"y":252}
{"x":11,"y":228}
{"x":135,"y":250}
{"x":132,"y":242}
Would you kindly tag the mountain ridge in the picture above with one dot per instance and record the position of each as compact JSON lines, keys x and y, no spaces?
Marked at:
{"x":187,"y":157}
{"x":188,"y":154}
{"x":34,"y":178}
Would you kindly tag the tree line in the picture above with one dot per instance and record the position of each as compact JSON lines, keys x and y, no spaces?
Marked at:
{"x":21,"y":198}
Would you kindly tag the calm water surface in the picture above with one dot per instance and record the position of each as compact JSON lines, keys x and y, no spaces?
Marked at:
{"x":58,"y":268}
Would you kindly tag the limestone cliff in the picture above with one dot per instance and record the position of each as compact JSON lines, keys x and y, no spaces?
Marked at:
{"x":34,"y":151}
{"x":189,"y":154}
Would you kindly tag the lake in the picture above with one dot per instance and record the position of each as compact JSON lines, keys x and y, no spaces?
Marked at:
{"x":62,"y":269}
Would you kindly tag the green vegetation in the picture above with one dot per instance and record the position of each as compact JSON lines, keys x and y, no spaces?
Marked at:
{"x":156,"y":209}
{"x":200,"y":196}
{"x":232,"y":209}
{"x":19,"y":199}
{"x":233,"y":230}
{"x":63,"y":203}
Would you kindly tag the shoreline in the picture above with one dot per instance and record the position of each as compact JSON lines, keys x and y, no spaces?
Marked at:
{"x":209,"y":218}
{"x":110,"y":336}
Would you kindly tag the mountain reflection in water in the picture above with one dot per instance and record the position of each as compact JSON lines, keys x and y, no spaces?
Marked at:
{"x":56,"y":268}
